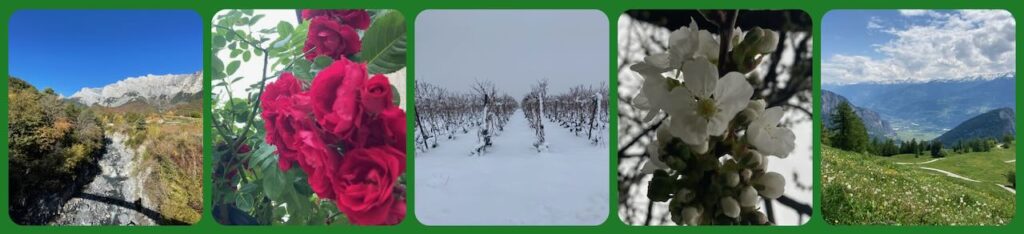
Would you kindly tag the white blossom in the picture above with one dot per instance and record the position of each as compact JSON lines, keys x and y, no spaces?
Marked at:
{"x":706,"y":104}
{"x":765,"y":134}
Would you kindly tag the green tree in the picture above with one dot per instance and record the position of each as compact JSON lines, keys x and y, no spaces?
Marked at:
{"x":850,"y":134}
{"x":937,"y":150}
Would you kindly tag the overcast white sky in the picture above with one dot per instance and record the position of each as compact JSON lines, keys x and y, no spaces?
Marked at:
{"x":512,"y":48}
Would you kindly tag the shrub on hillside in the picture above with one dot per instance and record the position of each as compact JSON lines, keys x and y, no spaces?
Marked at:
{"x":1012,"y":178}
{"x":51,"y":144}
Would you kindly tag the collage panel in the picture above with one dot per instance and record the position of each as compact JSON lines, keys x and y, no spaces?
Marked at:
{"x":919,"y":118}
{"x":105,"y":117}
{"x":715,"y":131}
{"x":512,"y":117}
{"x":309,"y":116}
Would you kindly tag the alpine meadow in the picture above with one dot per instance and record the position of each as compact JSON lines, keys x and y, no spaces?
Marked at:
{"x":908,"y":139}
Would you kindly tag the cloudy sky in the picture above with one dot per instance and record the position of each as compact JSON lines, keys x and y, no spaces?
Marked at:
{"x":512,"y":48}
{"x":916,"y":45}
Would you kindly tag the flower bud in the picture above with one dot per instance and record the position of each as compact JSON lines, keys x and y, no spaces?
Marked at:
{"x":731,"y":179}
{"x":756,"y":159}
{"x":772,"y":185}
{"x":759,"y":218}
{"x":700,"y":149}
{"x":745,"y":174}
{"x":691,"y":216}
{"x":685,"y":195}
{"x":730,"y":207}
{"x":757,"y":105}
{"x":748,"y":197}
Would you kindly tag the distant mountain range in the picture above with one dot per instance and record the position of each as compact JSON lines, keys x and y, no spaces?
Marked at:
{"x":875,"y":125}
{"x":151,"y":91}
{"x":939,"y":104}
{"x":993,"y":124}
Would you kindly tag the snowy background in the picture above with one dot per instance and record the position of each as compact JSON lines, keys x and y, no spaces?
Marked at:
{"x":512,"y":184}
{"x":638,"y":38}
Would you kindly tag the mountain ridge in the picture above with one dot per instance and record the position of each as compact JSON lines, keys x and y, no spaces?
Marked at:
{"x":993,"y":124}
{"x":161,"y":91}
{"x":876,"y":126}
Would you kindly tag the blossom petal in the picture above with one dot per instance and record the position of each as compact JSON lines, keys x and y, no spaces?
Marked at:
{"x":708,"y":46}
{"x":701,"y":77}
{"x":686,"y":124}
{"x":731,"y":95}
{"x":657,"y":63}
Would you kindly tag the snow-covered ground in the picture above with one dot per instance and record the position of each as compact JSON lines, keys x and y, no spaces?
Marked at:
{"x":512,"y":184}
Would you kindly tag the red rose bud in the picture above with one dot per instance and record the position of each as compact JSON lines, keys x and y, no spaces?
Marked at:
{"x":376,"y":94}
{"x":334,"y":97}
{"x":364,"y":185}
{"x":330,"y":38}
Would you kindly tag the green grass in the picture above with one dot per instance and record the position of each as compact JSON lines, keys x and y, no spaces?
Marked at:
{"x":863,"y":189}
{"x":984,"y":166}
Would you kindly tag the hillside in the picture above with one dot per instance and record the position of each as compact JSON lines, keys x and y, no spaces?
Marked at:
{"x":938,"y":104}
{"x":873,"y":122}
{"x":993,"y":124}
{"x":861,"y":189}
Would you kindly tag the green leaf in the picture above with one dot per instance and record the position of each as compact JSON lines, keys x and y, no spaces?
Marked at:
{"x":233,"y":66}
{"x":320,"y":62}
{"x":235,"y":53}
{"x":244,"y":201}
{"x":255,"y":18}
{"x":274,"y":183}
{"x":661,"y":187}
{"x":301,"y":69}
{"x":218,"y":42}
{"x":246,"y":56}
{"x":284,"y":28}
{"x":218,"y":68}
{"x":384,"y":43}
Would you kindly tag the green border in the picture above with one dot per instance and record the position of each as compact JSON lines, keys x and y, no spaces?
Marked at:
{"x":411,"y":9}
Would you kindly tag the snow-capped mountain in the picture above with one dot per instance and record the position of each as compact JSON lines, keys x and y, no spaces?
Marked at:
{"x":156,"y":90}
{"x":915,"y":80}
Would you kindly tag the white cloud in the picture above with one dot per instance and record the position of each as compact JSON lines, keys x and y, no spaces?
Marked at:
{"x":914,"y":12}
{"x":875,"y":23}
{"x":946,"y":46}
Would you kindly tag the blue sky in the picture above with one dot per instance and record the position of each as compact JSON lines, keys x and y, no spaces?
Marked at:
{"x":885,"y":46}
{"x":71,"y":49}
{"x":846,"y":32}
{"x":512,"y":48}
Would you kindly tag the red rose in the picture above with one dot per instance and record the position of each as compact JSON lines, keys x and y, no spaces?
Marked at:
{"x":377,"y":94}
{"x":285,"y":112}
{"x":332,"y":39}
{"x":335,"y":95}
{"x":318,"y":160}
{"x":365,"y":183}
{"x":358,"y":19}
{"x":393,"y":120}
{"x":387,"y":128}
